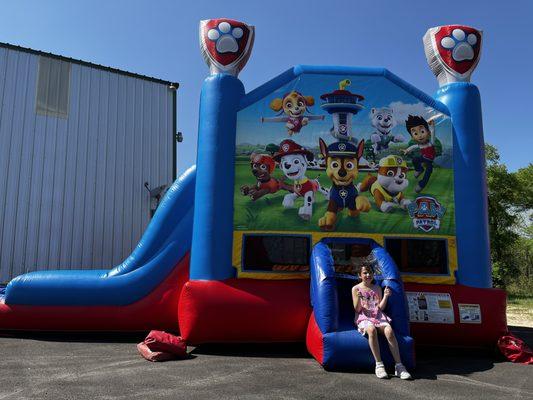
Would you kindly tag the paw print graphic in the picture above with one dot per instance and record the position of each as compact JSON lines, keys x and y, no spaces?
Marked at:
{"x":225,"y":36}
{"x":461,"y":43}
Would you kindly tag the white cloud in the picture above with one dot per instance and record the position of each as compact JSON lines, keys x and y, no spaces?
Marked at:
{"x":403,"y":110}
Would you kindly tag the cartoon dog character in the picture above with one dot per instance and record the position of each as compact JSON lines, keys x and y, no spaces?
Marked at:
{"x":387,"y":189}
{"x":293,"y":105}
{"x":342,"y":163}
{"x":262,"y":167}
{"x":383,"y":122}
{"x":293,"y":159}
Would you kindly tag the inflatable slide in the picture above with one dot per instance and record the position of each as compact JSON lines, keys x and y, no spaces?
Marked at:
{"x":331,"y":337}
{"x":141,"y":293}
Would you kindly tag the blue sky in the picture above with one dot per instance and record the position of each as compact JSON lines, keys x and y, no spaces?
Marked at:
{"x":160,"y":38}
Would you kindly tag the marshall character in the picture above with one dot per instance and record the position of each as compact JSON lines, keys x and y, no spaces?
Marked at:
{"x":293,"y":105}
{"x":293,"y":159}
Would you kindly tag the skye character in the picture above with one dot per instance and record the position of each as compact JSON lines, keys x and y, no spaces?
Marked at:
{"x":293,"y":105}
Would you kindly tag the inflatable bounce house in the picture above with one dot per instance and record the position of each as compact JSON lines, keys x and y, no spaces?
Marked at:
{"x":296,"y":184}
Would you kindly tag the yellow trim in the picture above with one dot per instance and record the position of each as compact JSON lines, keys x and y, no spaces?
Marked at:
{"x":317,"y":236}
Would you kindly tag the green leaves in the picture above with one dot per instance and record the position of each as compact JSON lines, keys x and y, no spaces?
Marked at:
{"x":510,"y":201}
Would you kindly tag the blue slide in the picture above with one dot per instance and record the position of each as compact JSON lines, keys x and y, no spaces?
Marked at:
{"x":164,"y":243}
{"x":336,"y":343}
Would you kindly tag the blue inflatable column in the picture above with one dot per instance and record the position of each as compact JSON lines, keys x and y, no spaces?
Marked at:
{"x":222,"y":92}
{"x":470,"y":183}
{"x":452,"y":67}
{"x":212,"y":238}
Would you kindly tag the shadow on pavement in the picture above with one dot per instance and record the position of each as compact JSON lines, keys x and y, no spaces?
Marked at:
{"x":270,"y":350}
{"x":75,"y":337}
{"x":431,"y":361}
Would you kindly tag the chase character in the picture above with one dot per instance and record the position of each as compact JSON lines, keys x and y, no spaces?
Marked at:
{"x":342,"y":161}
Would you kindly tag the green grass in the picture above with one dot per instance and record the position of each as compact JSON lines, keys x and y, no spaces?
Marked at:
{"x":268,"y":214}
{"x":521,"y":301}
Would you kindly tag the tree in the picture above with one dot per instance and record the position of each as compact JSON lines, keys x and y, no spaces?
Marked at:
{"x":510,"y":200}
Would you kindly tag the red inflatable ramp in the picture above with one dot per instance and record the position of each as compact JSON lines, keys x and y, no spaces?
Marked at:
{"x":244,"y":310}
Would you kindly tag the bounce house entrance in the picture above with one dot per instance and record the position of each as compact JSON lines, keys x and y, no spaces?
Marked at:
{"x":331,"y":337}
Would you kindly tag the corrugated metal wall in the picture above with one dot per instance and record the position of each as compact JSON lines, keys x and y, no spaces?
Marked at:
{"x":71,"y":190}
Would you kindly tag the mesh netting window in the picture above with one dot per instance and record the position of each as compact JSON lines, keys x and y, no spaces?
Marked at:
{"x":422,"y":256}
{"x":276,"y":253}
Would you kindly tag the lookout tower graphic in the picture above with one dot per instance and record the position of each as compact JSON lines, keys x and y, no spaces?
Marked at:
{"x":342,"y":105}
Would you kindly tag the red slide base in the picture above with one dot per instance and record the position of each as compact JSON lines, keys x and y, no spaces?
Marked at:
{"x":158,"y":310}
{"x":492,"y":304}
{"x":244,"y":310}
{"x":315,"y":340}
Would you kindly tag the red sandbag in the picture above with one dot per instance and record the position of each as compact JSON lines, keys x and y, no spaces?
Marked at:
{"x":162,"y":346}
{"x":515,"y":349}
{"x":154,"y":356}
{"x":160,"y":341}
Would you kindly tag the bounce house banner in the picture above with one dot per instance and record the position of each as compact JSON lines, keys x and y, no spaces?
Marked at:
{"x":329,"y":155}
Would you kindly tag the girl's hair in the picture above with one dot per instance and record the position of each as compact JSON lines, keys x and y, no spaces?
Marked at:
{"x":368,"y":266}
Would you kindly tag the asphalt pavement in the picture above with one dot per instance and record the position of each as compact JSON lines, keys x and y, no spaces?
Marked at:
{"x":107,"y":366}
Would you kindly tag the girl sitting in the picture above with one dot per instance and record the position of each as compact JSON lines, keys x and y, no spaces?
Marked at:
{"x":369,"y":302}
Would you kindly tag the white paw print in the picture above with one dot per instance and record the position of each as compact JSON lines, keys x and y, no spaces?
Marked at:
{"x":461,"y":44}
{"x":225,"y":37}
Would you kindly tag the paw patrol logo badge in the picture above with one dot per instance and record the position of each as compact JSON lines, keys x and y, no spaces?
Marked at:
{"x":454,"y":48}
{"x":426,"y":213}
{"x":285,"y":147}
{"x":399,"y":160}
{"x":226,"y":44}
{"x":342,"y":147}
{"x":343,"y":129}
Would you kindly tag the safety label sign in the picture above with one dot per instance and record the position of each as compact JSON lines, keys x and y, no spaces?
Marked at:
{"x":428,"y":307}
{"x":469,"y":314}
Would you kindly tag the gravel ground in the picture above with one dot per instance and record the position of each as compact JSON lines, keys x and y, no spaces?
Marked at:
{"x":520,"y":314}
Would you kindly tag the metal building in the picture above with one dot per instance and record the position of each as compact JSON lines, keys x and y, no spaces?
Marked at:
{"x":79,"y":146}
